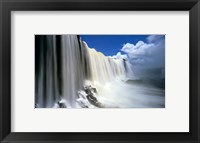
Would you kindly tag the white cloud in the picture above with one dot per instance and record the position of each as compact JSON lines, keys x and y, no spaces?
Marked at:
{"x":146,"y":56}
{"x":139,"y":49}
{"x":119,"y":56}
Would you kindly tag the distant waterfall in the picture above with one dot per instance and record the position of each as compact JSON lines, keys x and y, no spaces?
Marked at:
{"x":62,"y":65}
{"x":104,"y":69}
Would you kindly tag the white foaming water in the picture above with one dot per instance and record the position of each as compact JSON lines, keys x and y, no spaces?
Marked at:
{"x":119,"y":94}
{"x":122,"y":95}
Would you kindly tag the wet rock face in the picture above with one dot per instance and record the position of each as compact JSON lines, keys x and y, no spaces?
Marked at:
{"x":62,"y":105}
{"x":87,"y":97}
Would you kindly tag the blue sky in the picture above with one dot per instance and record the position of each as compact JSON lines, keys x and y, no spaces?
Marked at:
{"x":110,"y":45}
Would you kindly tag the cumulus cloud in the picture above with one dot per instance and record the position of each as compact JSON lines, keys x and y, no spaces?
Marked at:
{"x":119,"y":56}
{"x":139,"y":49}
{"x":147,"y":57}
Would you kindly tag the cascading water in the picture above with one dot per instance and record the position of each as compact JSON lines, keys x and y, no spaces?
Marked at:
{"x":65,"y":64}
{"x":104,"y":69}
{"x":47,"y":86}
{"x":60,"y":69}
{"x":74,"y":70}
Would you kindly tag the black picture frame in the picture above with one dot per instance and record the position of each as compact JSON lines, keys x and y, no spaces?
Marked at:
{"x":6,"y":6}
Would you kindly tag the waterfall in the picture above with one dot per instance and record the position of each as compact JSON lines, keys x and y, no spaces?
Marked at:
{"x":74,"y":69}
{"x":104,"y":69}
{"x":47,"y":88}
{"x":64,"y":62}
